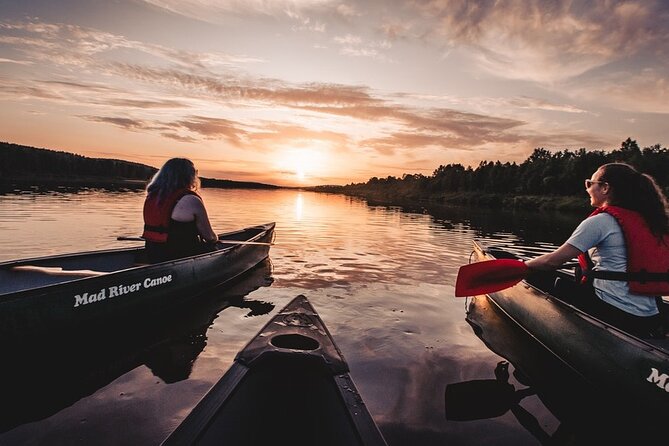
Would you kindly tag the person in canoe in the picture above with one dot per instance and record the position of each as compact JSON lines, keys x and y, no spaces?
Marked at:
{"x":623,"y":250}
{"x":176,"y":223}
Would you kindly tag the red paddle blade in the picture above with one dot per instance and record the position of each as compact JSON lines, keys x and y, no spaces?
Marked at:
{"x":489,"y":276}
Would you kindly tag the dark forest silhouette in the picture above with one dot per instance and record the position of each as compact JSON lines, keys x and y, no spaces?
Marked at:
{"x":544,"y":173}
{"x":30,"y":163}
{"x":33,"y":166}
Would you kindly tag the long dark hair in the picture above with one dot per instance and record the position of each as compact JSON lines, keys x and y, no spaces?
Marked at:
{"x":176,"y":173}
{"x":639,"y":192}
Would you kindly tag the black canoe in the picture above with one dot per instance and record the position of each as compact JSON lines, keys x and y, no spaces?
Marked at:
{"x":69,"y":292}
{"x":289,"y":385}
{"x":42,"y":379}
{"x":616,"y":363}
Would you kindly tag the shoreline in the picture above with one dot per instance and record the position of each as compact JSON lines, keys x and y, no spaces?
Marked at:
{"x":58,"y":183}
{"x":576,"y":204}
{"x":460,"y":199}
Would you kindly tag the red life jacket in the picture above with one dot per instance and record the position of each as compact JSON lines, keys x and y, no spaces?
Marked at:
{"x":647,"y":257}
{"x":157,"y":214}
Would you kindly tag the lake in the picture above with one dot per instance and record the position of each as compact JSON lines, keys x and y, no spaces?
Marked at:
{"x":381,"y":278}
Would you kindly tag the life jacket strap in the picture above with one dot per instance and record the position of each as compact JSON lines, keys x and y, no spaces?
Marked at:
{"x":158,"y":229}
{"x":642,"y":276}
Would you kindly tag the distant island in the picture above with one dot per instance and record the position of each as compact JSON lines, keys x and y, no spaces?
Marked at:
{"x":545,"y":180}
{"x":24,"y":166}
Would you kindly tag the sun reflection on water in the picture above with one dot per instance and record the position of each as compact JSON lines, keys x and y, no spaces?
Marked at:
{"x":299,"y":204}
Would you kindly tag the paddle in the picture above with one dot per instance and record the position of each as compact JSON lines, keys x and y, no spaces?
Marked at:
{"x":231,"y":242}
{"x":489,"y":276}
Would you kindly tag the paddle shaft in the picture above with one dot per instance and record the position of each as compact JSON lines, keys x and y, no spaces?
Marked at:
{"x":231,"y":242}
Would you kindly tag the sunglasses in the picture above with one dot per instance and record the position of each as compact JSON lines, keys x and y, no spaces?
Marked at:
{"x":589,"y":183}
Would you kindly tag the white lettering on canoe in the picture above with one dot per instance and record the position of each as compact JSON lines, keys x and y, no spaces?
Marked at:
{"x":148,"y":282}
{"x":119,"y":290}
{"x":659,"y":380}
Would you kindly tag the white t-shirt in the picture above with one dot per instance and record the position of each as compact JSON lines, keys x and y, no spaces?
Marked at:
{"x":603,"y":238}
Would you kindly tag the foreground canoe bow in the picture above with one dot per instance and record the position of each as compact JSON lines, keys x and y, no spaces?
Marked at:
{"x":289,"y":385}
{"x":70,"y":292}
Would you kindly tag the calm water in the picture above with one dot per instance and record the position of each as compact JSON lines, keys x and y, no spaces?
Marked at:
{"x":380,"y":277}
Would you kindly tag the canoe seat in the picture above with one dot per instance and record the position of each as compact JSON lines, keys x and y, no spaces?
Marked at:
{"x":58,"y":271}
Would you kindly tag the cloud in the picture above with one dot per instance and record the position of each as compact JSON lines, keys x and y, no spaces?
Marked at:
{"x":228,"y":105}
{"x":15,"y":90}
{"x":351,"y":45}
{"x":126,"y":123}
{"x":67,"y":44}
{"x":550,"y":41}
{"x":13,"y":61}
{"x":415,"y":127}
{"x":645,"y":91}
{"x":81,"y":93}
{"x":219,"y":11}
{"x":213,"y":128}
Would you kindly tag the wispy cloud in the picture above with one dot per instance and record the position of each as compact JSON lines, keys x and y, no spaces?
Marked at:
{"x":645,"y":91}
{"x":550,"y":41}
{"x":76,"y":45}
{"x":351,"y":45}
{"x":297,"y":11}
{"x":17,"y":62}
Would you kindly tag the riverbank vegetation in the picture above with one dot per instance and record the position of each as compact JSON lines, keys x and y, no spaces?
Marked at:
{"x":545,"y":180}
{"x":24,"y":166}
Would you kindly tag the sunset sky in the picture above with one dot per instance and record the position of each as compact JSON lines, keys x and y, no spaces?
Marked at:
{"x":309,"y":92}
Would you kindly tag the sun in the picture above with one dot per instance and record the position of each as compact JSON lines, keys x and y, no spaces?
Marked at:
{"x":301,"y":163}
{"x":300,"y":169}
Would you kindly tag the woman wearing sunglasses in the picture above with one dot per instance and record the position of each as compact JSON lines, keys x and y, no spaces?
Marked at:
{"x":623,"y":250}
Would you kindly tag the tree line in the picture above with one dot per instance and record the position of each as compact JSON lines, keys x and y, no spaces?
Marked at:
{"x":34,"y":166}
{"x":560,"y":173}
{"x":23,"y":162}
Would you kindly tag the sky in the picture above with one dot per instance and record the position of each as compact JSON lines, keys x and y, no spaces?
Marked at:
{"x":311,"y":92}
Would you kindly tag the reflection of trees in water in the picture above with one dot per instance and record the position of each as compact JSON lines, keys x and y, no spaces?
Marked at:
{"x":37,"y":381}
{"x":530,"y":227}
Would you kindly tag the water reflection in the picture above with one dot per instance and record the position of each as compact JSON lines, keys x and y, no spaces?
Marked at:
{"x":380,"y":277}
{"x":489,"y":398}
{"x":299,"y":203}
{"x":583,"y":415}
{"x":39,"y":380}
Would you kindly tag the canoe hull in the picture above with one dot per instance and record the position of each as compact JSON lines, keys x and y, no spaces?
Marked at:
{"x":616,"y":363}
{"x":289,"y":385}
{"x":73,"y":304}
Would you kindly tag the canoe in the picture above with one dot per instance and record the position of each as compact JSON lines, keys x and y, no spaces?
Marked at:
{"x":538,"y":391}
{"x":615,"y":363}
{"x":72,"y":291}
{"x":49,"y":376}
{"x":289,"y":385}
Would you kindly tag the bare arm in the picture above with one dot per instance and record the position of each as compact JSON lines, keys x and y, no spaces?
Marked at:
{"x":553,"y":260}
{"x":191,"y":208}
